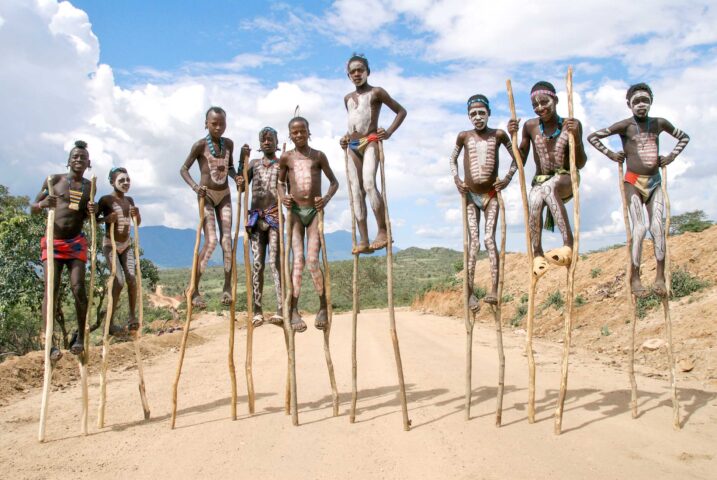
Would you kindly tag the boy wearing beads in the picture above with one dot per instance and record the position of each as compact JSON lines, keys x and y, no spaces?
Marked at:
{"x":72,"y":203}
{"x":551,"y":186}
{"x":480,"y":185}
{"x":116,"y":210}
{"x":214,"y":155}
{"x":263,"y":224}
{"x":639,"y":135}
{"x":304,"y":165}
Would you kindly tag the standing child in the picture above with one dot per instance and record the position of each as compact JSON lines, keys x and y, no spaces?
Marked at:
{"x":480,"y":184}
{"x":304,"y":165}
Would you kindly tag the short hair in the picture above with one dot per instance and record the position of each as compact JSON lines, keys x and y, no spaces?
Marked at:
{"x":299,"y":119}
{"x":82,"y":145}
{"x":637,"y":87}
{"x":215,"y":109}
{"x":479,"y":98}
{"x":543,"y":85}
{"x":114,"y":171}
{"x":360,"y":57}
{"x":266,"y":130}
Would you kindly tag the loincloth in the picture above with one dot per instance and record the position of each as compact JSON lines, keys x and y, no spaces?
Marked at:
{"x":359,"y":146}
{"x":66,"y":248}
{"x":269,"y":215}
{"x":645,"y":184}
{"x":305,"y":214}
{"x":481,"y":200}
{"x":217,"y":196}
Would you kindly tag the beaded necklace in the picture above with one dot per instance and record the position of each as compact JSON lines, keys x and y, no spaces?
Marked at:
{"x":556,"y":133}
{"x":75,"y":196}
{"x":211,"y":146}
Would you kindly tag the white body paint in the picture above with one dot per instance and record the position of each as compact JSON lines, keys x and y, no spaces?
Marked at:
{"x":360,"y":113}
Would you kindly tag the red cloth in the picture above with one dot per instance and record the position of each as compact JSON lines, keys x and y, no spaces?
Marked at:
{"x":631,"y":177}
{"x":67,"y":248}
{"x":372,"y":138}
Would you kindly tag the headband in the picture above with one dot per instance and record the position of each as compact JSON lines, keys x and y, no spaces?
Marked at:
{"x":543,"y":92}
{"x":484,"y":101}
{"x":113,"y":170}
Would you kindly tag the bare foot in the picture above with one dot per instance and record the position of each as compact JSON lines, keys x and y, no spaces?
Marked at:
{"x":258,"y":320}
{"x":322,"y":319}
{"x":637,"y":289}
{"x":540,"y":266}
{"x":276,"y":319}
{"x":361,"y":247}
{"x":198,"y":301}
{"x":55,"y":354}
{"x":132,"y":325}
{"x":226,"y":298}
{"x":491,"y":298}
{"x":78,"y":346}
{"x":659,"y":288}
{"x":473,"y":304}
{"x":560,"y":256}
{"x":379,"y":242}
{"x":297,"y":324}
{"x":116,"y":330}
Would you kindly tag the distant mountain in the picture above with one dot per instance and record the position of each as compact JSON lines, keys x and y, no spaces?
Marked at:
{"x":173,"y":247}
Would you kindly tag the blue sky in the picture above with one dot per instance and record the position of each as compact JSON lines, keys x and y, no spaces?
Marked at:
{"x":134,"y":78}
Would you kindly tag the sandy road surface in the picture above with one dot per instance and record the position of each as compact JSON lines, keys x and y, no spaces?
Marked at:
{"x":600,"y":439}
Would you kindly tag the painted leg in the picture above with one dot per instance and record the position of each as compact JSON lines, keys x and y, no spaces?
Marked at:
{"x":473,"y":247}
{"x":317,"y":276}
{"x":225,"y":239}
{"x":370,"y":168}
{"x":297,"y":246}
{"x":210,"y":244}
{"x":491,"y":217}
{"x":638,"y":230}
{"x":358,"y":197}
{"x":536,"y":203}
{"x":258,"y":244}
{"x":275,"y":267}
{"x":556,"y":190}
{"x":655,"y":213}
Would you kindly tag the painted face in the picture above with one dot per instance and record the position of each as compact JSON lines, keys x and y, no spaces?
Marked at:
{"x":358,"y":72}
{"x":79,"y":160}
{"x":544,"y":106}
{"x":640,"y":103}
{"x":299,"y":133}
{"x":216,"y":123}
{"x":478,"y":115}
{"x":268,"y":143}
{"x":122,"y":182}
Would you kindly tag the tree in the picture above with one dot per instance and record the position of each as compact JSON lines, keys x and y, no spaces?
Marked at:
{"x":694,"y":221}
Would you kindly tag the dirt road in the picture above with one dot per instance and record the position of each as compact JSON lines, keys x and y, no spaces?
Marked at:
{"x":600,"y":439}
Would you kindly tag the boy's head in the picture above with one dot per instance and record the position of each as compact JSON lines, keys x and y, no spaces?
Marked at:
{"x":357,"y":69}
{"x":215,"y":120}
{"x":119,"y":178}
{"x":79,"y":157}
{"x":268,"y":140}
{"x":299,"y":131}
{"x":639,"y":99}
{"x":478,"y":111}
{"x":544,"y":99}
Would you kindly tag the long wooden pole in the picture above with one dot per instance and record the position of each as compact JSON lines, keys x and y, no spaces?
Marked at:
{"x":49,"y":312}
{"x":233,"y":310}
{"x":529,"y":250}
{"x":189,"y":293}
{"x":106,"y":333}
{"x":469,"y":317}
{"x":631,"y":302}
{"x":85,"y":356}
{"x":354,"y":296}
{"x":288,"y":329}
{"x":330,"y":315}
{"x":570,"y":307}
{"x":285,"y":314}
{"x":137,"y":337}
{"x":249,"y":303}
{"x":389,"y":282}
{"x":666,"y":308}
{"x":497,"y":315}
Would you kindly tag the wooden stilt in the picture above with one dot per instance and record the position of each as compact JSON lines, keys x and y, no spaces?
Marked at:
{"x":85,"y":356}
{"x":137,"y":337}
{"x":285,"y":279}
{"x":249,"y":303}
{"x":189,"y":293}
{"x":631,"y":302}
{"x":106,"y":334}
{"x":469,"y":317}
{"x":497,"y":315}
{"x":330,"y":315}
{"x":233,"y":310}
{"x":529,"y":252}
{"x":49,"y":312}
{"x":288,"y":329}
{"x":389,"y":282}
{"x":570,"y":303}
{"x":666,"y":308}
{"x":355,"y":297}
